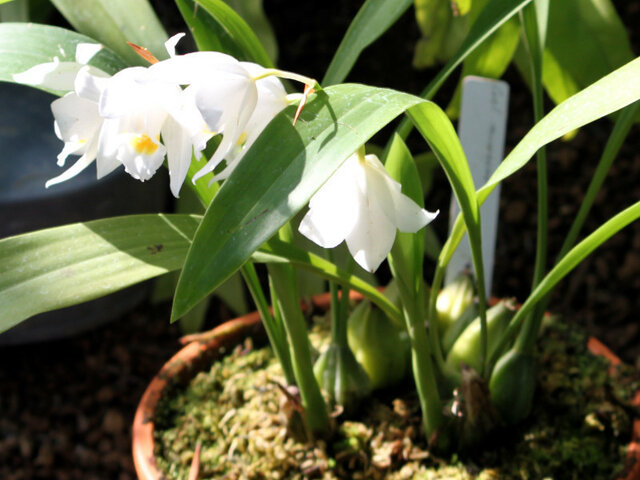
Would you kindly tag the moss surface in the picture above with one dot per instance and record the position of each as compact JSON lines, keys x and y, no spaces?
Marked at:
{"x":579,"y":428}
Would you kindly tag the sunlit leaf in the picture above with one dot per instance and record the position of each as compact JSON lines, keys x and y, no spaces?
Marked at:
{"x":253,"y":13}
{"x":216,"y":26}
{"x":63,"y":266}
{"x":24,"y":45}
{"x":116,"y":22}
{"x":276,"y":178}
{"x":371,"y":21}
{"x":611,"y":93}
{"x":577,"y":31}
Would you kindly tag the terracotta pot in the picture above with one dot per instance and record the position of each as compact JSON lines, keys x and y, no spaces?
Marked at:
{"x":186,"y":364}
{"x":199,"y":354}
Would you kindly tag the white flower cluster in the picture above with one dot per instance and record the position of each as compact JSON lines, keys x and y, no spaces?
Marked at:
{"x":137,"y":116}
{"x":174,"y":107}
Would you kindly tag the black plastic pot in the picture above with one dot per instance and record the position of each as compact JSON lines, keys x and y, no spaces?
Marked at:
{"x":28,"y":149}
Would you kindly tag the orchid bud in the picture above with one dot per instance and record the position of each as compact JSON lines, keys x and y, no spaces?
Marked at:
{"x":457,"y":327}
{"x":512,"y":385}
{"x":382,"y":350}
{"x":453,"y":300}
{"x":467,"y":347}
{"x":339,"y":374}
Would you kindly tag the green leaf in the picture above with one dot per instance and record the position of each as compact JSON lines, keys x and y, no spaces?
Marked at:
{"x":490,"y":59}
{"x":207,"y":32}
{"x":67,"y":265}
{"x":16,"y":12}
{"x":371,"y":21}
{"x":24,"y":45}
{"x":576,"y":255}
{"x":116,"y":22}
{"x":407,"y":253}
{"x":5,"y":1}
{"x":253,"y":12}
{"x":437,"y":130}
{"x":277,"y":251}
{"x":276,"y":178}
{"x":215,"y":26}
{"x":613,"y":92}
{"x":441,"y":31}
{"x":492,"y":17}
{"x":578,"y":30}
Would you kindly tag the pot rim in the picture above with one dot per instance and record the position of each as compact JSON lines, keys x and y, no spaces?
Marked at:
{"x":185,"y":364}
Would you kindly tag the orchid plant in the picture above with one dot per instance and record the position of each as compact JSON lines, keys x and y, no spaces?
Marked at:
{"x":256,"y":156}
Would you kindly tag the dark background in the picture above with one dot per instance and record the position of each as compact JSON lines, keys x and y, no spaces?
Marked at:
{"x":66,"y":406}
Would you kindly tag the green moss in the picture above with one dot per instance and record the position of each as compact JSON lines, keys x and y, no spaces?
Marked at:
{"x":579,"y":427}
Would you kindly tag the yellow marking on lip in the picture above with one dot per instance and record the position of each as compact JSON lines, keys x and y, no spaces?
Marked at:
{"x":242,"y":139}
{"x":144,"y":145}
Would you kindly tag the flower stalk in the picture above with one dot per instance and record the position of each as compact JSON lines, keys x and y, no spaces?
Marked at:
{"x":286,"y":288}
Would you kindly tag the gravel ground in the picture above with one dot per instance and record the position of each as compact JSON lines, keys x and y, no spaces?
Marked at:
{"x":66,"y":407}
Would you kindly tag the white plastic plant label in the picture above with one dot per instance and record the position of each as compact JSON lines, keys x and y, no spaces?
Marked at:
{"x":482,"y":129}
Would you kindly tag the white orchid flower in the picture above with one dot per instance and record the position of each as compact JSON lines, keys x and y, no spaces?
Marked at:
{"x":223,"y":90}
{"x":272,"y":99}
{"x":362,"y":205}
{"x":119,"y":121}
{"x":236,"y":99}
{"x":138,"y":110}
{"x":77,"y":121}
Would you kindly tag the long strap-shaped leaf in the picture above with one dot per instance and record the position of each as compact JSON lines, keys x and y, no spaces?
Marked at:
{"x":276,"y":178}
{"x":277,"y":251}
{"x":72,"y":264}
{"x":116,"y":22}
{"x":576,"y":255}
{"x":371,"y":21}
{"x":611,"y":93}
{"x":67,"y":265}
{"x":24,"y":45}
{"x":492,"y":17}
{"x":216,"y":26}
{"x":436,"y":128}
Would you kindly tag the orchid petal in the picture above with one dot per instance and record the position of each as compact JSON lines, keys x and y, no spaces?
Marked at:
{"x":77,"y":123}
{"x":86,"y":51}
{"x":170,"y":44}
{"x":372,"y":239}
{"x":83,"y":162}
{"x":140,"y":155}
{"x":179,"y":152}
{"x":195,"y":67}
{"x":88,"y":85}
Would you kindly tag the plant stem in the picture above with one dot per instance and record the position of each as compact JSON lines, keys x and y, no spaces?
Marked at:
{"x":421,"y":354}
{"x":272,"y":325}
{"x":274,"y":72}
{"x":620,"y":131}
{"x":475,"y":241}
{"x":286,"y":288}
{"x":338,"y":311}
{"x":423,"y":372}
{"x":315,"y":409}
{"x":573,"y":257}
{"x":434,"y":334}
{"x":530,"y":23}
